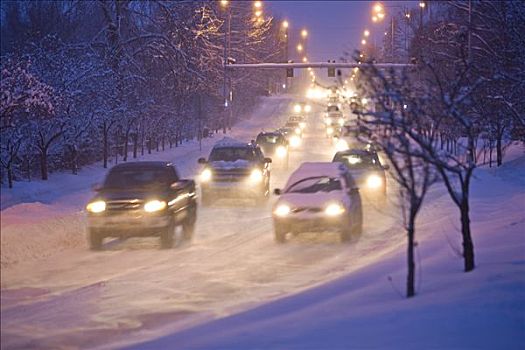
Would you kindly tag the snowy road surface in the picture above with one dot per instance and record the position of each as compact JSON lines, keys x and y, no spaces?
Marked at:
{"x":132,"y":291}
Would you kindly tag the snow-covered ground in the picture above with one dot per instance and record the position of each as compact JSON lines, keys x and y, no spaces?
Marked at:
{"x":233,"y":287}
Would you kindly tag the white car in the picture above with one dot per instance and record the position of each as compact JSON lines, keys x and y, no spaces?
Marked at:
{"x":318,"y":197}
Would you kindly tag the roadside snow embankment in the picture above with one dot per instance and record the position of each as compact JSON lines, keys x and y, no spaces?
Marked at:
{"x":33,"y":231}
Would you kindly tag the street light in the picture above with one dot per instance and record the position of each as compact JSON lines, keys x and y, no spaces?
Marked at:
{"x":258,"y":13}
{"x":378,"y":8}
{"x":224,"y":3}
{"x":422,"y":4}
{"x":304,"y":33}
{"x":257,"y":4}
{"x":299,"y":47}
{"x":363,"y":42}
{"x":305,"y":59}
{"x":366,"y":33}
{"x":285,"y":24}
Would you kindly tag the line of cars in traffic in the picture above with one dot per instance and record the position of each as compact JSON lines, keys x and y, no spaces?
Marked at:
{"x":150,"y":199}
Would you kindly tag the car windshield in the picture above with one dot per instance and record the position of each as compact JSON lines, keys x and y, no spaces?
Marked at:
{"x":333,"y":109}
{"x":137,"y":178}
{"x":315,"y":184}
{"x":231,"y":154}
{"x":357,"y":161}
{"x":292,"y":124}
{"x":268,"y":139}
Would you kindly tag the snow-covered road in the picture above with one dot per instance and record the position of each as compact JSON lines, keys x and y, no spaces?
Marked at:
{"x":132,"y":291}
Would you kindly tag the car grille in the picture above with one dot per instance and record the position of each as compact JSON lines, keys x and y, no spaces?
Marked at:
{"x":307,"y":209}
{"x":123,"y":205}
{"x":234,"y":175}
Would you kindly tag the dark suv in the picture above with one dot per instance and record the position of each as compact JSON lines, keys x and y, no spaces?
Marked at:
{"x":142,"y":199}
{"x":235,"y":169}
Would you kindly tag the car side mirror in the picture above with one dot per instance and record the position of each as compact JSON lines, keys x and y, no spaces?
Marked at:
{"x":201,"y":161}
{"x":96,"y":187}
{"x":267,"y":160}
{"x":386,"y":166}
{"x":277,"y":191}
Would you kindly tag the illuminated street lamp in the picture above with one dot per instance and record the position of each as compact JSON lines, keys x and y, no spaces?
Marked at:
{"x":363,"y":42}
{"x":224,"y":3}
{"x":378,"y":8}
{"x":304,"y":33}
{"x":285,"y":24}
{"x":374,"y":19}
{"x":422,"y":4}
{"x":366,"y":33}
{"x":257,"y":4}
{"x":258,"y":13}
{"x":305,"y":59}
{"x":299,"y":47}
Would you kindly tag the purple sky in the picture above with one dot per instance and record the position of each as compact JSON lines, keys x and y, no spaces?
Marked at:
{"x":333,"y":25}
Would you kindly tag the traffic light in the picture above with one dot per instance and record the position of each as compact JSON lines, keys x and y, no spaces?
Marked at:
{"x":331,"y":70}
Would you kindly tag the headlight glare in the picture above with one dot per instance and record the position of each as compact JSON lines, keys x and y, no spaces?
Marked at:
{"x":282,"y":210}
{"x":334,"y":209}
{"x":341,"y":121}
{"x":96,"y":207}
{"x":329,"y":130}
{"x":297,"y":108}
{"x":307,"y":108}
{"x":256,"y":175}
{"x":281,"y":152}
{"x":298,"y":131}
{"x":374,"y":181}
{"x":206,"y":175}
{"x":154,"y":205}
{"x":295,"y":141}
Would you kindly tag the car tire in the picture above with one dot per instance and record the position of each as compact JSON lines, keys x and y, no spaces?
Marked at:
{"x":188,"y":226}
{"x":346,"y":234}
{"x":206,"y":199}
{"x":95,"y":239}
{"x":167,"y":238}
{"x":280,"y":234}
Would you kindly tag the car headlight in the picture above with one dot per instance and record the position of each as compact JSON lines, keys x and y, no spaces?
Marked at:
{"x":334,"y":209}
{"x":298,"y":131}
{"x":96,"y":207}
{"x":282,"y":210}
{"x":256,"y":175}
{"x":295,"y":141}
{"x":206,"y":175}
{"x":302,"y":125}
{"x":341,"y":121}
{"x":328,"y":121}
{"x":341,"y":145}
{"x":307,"y":108}
{"x":374,"y":181}
{"x":281,"y":151}
{"x":297,"y":108}
{"x":329,"y":130}
{"x":154,"y":205}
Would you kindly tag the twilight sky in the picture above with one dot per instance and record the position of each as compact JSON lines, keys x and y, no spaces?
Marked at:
{"x":332,"y":25}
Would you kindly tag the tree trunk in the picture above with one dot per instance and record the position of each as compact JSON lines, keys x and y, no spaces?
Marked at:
{"x":411,"y":291}
{"x":468,"y":245}
{"x":10,"y":176}
{"x":105,"y":145}
{"x":490,"y":154}
{"x":135,"y":144}
{"x":499,"y":151}
{"x":43,"y":163}
{"x":149,"y":145}
{"x":126,"y":139}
